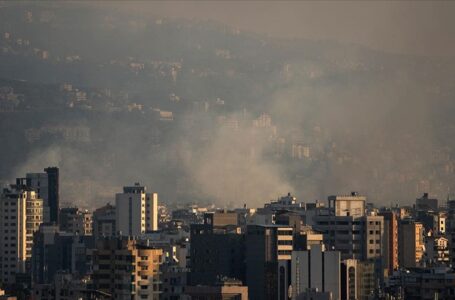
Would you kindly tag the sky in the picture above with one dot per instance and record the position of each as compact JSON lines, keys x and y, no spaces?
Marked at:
{"x":409,"y":27}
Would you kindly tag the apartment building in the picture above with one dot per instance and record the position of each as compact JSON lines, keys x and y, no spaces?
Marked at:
{"x":127,"y":269}
{"x":136,"y":211}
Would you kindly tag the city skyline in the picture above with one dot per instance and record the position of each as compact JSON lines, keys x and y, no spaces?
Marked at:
{"x":238,"y":150}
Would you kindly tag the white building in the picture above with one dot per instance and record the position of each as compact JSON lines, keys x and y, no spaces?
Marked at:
{"x":136,"y":211}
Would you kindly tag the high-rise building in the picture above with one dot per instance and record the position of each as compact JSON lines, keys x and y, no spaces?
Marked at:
{"x":39,"y":183}
{"x":53,"y":193}
{"x":34,"y":212}
{"x":20,"y":216}
{"x":47,"y":186}
{"x":136,"y":211}
{"x":316,"y":269}
{"x":268,"y":255}
{"x":355,"y":237}
{"x":12,"y":234}
{"x":346,"y":228}
{"x":127,"y":269}
{"x":104,"y":222}
{"x":215,"y":253}
{"x":410,"y":243}
{"x":390,"y":241}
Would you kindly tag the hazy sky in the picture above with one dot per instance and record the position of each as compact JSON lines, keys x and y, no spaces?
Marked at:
{"x":416,"y":27}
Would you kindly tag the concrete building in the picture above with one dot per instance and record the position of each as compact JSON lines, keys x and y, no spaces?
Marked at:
{"x":66,"y":287}
{"x":34,"y":211}
{"x":306,"y":237}
{"x":390,"y":241}
{"x":174,"y":281}
{"x":422,"y":283}
{"x":348,"y":205}
{"x":316,"y":269}
{"x":349,"y":279}
{"x":136,"y":211}
{"x":268,"y":255}
{"x":358,"y":280}
{"x":47,"y":186}
{"x":76,"y":221}
{"x":410,"y":243}
{"x":432,"y":221}
{"x":221,"y":218}
{"x":355,"y":237}
{"x":20,"y":215}
{"x":293,"y":219}
{"x":104,"y":222}
{"x":367,"y":281}
{"x":214,"y":253}
{"x":55,"y":251}
{"x":127,"y":269}
{"x":426,"y":203}
{"x":436,"y":251}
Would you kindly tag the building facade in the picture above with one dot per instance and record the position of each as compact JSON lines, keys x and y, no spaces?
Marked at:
{"x":316,"y":269}
{"x":411,"y":243}
{"x":136,"y":211}
{"x":268,"y":256}
{"x":76,"y":221}
{"x":127,"y":269}
{"x":104,"y":222}
{"x":13,"y":237}
{"x":47,"y":186}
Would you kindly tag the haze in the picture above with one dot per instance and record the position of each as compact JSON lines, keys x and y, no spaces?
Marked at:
{"x":230,"y":102}
{"x":410,"y":27}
